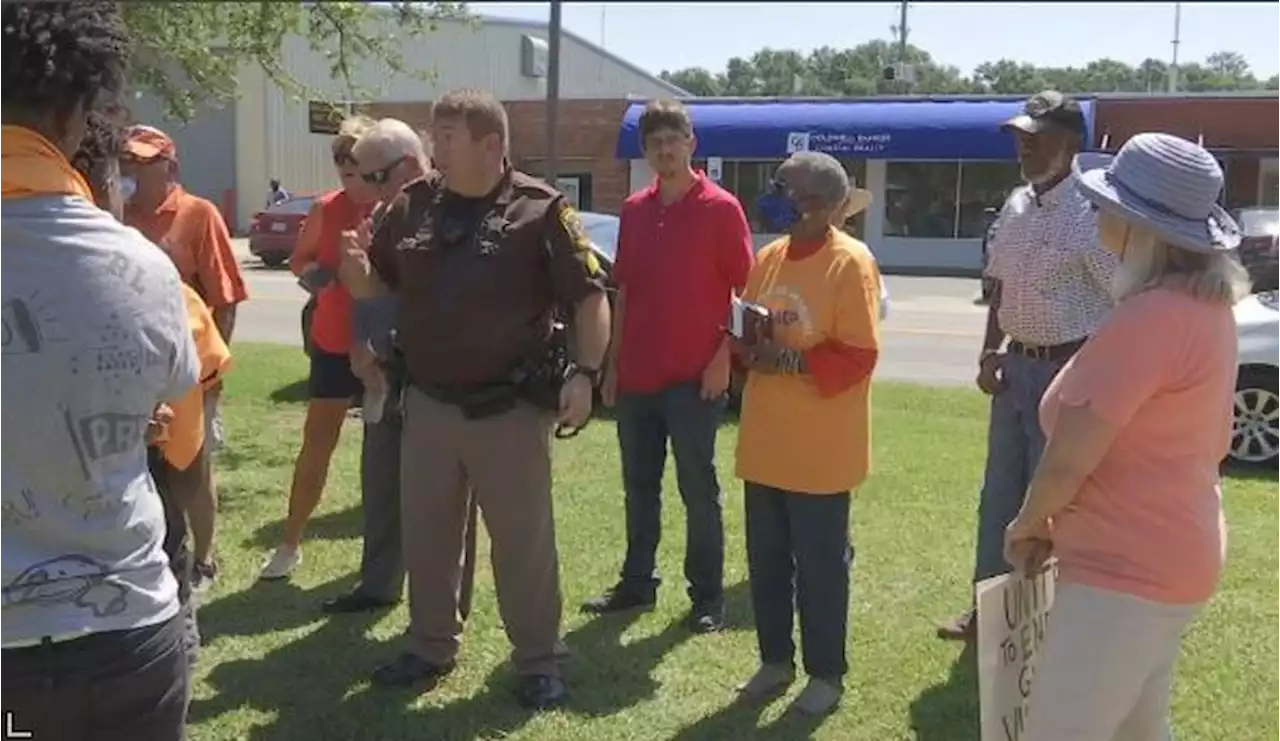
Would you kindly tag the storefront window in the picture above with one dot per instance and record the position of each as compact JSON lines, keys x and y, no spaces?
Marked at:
{"x":1268,"y":183}
{"x":944,"y":200}
{"x":983,"y":185}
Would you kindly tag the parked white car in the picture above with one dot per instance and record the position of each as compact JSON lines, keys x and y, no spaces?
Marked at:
{"x":1255,"y":437}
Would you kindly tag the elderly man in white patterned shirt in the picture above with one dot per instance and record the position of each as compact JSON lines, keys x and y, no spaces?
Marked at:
{"x":1052,"y":291}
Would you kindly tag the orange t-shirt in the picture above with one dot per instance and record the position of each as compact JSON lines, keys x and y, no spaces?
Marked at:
{"x":194,"y":234}
{"x":1148,"y":520}
{"x":791,"y":437}
{"x":186,"y":431}
{"x":331,"y":326}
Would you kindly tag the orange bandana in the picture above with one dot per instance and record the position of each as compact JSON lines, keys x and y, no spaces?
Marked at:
{"x":31,"y":166}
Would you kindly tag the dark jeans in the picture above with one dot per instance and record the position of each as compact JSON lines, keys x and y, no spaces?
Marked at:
{"x":799,"y":556}
{"x":1015,"y":443}
{"x":645,"y":422}
{"x":127,"y":685}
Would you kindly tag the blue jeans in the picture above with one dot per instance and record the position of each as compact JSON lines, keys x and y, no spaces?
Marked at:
{"x":799,"y":557}
{"x":645,"y":423}
{"x":1014,"y":446}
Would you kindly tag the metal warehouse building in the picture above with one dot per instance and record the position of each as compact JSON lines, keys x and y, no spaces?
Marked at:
{"x":229,"y":154}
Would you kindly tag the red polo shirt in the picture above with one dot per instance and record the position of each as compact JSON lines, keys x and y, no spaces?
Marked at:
{"x":679,"y":264}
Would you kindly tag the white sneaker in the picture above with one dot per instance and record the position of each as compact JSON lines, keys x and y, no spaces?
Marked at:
{"x":282,"y":563}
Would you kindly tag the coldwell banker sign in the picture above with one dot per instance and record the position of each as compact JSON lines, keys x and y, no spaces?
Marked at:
{"x":839,"y":145}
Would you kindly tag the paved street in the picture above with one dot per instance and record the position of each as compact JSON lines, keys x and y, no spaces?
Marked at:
{"x":932,"y":334}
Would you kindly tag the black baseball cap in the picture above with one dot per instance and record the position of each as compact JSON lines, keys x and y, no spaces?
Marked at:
{"x":1046,"y":110}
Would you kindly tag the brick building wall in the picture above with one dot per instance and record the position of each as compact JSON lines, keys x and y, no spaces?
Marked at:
{"x":1241,"y":131}
{"x":587,"y":139}
{"x":586,"y":142}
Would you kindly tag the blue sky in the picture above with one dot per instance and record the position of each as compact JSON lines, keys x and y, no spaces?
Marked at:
{"x":660,"y":36}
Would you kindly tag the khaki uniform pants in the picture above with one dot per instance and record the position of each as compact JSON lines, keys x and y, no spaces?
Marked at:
{"x":506,"y":462}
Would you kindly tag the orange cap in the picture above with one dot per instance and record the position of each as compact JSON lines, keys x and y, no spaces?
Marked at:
{"x":148,"y":142}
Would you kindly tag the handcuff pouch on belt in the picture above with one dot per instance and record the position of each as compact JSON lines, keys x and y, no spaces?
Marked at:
{"x":541,"y":376}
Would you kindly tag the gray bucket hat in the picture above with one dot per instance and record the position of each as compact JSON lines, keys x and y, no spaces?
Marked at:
{"x":1168,"y":185}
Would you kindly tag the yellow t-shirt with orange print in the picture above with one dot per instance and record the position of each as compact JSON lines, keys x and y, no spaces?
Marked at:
{"x":186,"y":432}
{"x":790,"y":436}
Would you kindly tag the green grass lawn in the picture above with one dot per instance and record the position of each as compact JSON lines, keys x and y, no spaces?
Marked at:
{"x":274,"y":668}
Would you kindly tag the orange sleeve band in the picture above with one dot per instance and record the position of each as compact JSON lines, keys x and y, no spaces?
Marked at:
{"x":836,"y":367}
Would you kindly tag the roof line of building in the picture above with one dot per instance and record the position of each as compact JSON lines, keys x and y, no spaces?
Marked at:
{"x":1230,"y":94}
{"x":675,"y":90}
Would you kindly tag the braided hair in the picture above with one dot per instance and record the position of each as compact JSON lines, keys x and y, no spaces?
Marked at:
{"x":101,"y":146}
{"x":60,"y":57}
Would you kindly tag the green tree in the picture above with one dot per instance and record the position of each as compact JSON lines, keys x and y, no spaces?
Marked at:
{"x":860,"y":71}
{"x":188,"y":53}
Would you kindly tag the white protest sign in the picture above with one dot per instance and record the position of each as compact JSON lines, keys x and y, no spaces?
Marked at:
{"x":1013,"y":617}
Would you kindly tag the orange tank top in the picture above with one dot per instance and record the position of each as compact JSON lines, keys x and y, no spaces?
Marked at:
{"x":331,"y":323}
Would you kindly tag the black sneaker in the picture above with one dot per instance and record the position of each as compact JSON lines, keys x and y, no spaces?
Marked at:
{"x":354,"y":602}
{"x":706,"y":618}
{"x":540,"y":692}
{"x":620,"y":598}
{"x":409,"y":670}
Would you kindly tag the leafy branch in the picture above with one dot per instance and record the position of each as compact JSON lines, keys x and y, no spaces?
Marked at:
{"x":192,"y":53}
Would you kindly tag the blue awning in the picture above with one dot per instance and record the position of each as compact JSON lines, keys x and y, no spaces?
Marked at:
{"x":864,"y":129}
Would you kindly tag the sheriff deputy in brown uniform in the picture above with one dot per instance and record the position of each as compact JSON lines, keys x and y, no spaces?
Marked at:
{"x":482,"y":259}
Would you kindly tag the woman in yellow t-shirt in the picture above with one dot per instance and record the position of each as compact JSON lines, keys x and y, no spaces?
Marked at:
{"x":804,"y":441}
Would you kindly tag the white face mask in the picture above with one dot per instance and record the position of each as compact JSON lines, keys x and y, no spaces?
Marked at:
{"x":128,"y":187}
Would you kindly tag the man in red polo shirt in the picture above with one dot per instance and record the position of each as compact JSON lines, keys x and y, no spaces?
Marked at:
{"x":684,"y":249}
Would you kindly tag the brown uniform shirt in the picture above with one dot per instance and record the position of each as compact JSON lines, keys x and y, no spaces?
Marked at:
{"x":478,"y":280}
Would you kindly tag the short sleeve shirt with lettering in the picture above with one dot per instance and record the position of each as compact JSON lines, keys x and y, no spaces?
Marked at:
{"x":95,"y":336}
{"x":1055,"y":275}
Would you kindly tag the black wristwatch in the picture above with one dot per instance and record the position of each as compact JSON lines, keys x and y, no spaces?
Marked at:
{"x":592,"y":374}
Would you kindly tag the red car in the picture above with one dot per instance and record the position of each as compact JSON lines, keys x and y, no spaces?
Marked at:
{"x":274,"y":232}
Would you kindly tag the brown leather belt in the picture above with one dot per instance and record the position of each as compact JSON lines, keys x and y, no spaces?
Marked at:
{"x":1051,"y":353}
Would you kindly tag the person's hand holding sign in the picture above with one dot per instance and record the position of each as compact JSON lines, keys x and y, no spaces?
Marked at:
{"x":1027,"y":545}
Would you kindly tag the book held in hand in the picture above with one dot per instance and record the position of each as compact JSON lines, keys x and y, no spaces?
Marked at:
{"x":750,"y":322}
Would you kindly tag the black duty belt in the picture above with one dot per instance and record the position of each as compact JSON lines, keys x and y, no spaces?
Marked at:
{"x":1051,"y":353}
{"x":476,"y":401}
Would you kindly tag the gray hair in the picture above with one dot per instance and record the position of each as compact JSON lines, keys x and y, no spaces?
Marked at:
{"x":1149,"y":262}
{"x":815,"y":178}
{"x":389,"y":139}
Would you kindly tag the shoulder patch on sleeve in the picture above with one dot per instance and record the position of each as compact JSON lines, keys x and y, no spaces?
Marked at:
{"x":572,"y":224}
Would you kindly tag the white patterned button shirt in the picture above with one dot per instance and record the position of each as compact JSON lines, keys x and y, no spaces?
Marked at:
{"x":1055,"y":276}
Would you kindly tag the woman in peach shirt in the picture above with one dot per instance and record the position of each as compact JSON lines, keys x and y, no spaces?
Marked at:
{"x":1127,"y":494}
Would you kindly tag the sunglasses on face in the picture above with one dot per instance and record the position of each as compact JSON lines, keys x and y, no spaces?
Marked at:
{"x":382,"y":175}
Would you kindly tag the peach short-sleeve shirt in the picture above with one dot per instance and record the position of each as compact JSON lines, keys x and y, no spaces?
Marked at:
{"x":1148,"y":519}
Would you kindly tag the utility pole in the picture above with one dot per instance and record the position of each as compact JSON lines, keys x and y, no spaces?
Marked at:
{"x":900,"y":72}
{"x":902,"y":32}
{"x":1177,"y":40}
{"x":551,"y":171}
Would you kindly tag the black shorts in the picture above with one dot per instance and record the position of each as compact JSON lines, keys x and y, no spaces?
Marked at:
{"x":331,"y":376}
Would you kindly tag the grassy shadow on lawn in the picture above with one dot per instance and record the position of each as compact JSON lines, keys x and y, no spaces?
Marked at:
{"x":274,"y":668}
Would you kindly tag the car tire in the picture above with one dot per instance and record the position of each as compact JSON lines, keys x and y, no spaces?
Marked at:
{"x":1255,"y":439}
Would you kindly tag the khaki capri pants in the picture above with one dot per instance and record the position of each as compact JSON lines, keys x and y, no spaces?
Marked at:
{"x":1107,"y":667}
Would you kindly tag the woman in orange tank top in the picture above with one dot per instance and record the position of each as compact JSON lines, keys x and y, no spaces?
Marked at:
{"x":331,"y":384}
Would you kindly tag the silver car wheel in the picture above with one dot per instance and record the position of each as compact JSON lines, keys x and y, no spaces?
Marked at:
{"x":1255,"y":432}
